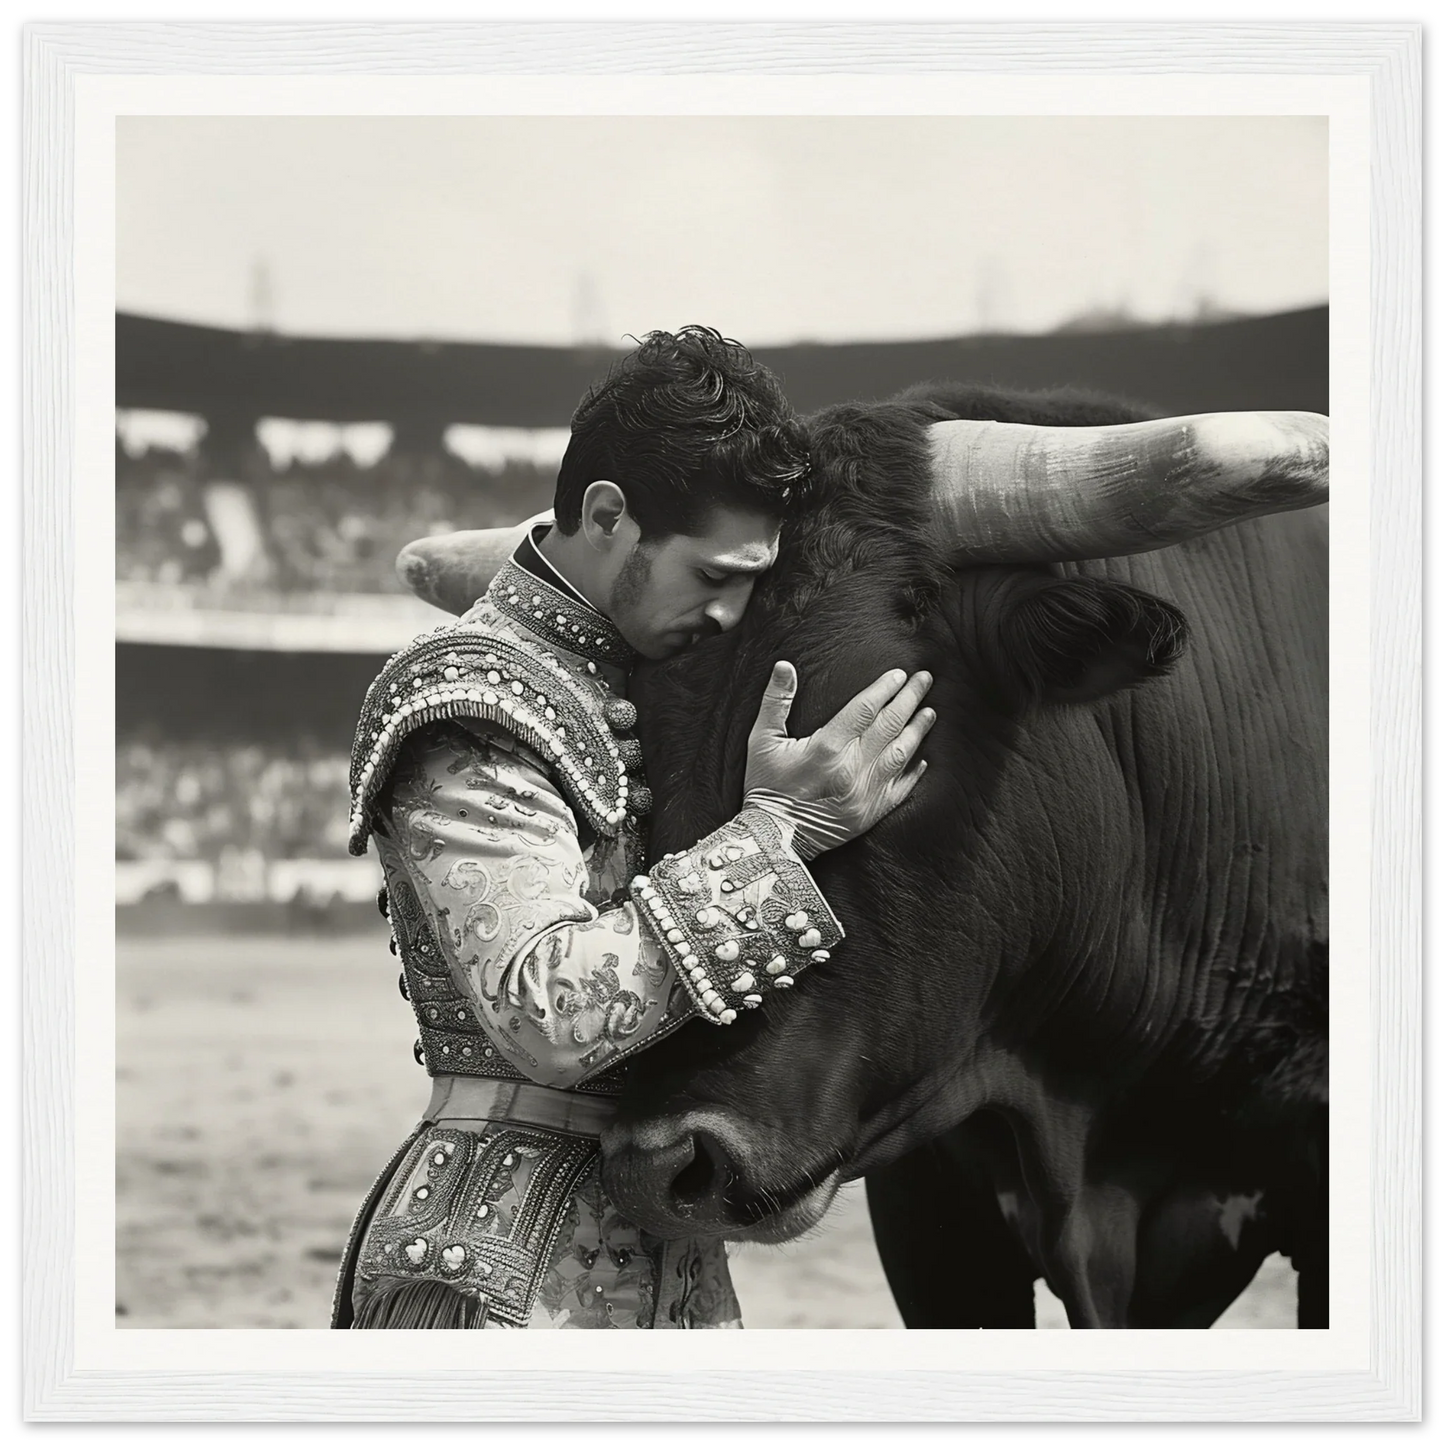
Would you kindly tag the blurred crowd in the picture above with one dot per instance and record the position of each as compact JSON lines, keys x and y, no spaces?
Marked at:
{"x":162,"y":532}
{"x":193,"y":800}
{"x":257,"y":523}
{"x":330,"y":526}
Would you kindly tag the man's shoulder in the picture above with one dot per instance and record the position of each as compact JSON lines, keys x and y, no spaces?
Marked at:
{"x":457,"y":651}
{"x":469,"y":747}
{"x":480,"y":668}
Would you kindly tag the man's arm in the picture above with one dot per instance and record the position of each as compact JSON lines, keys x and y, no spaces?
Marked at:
{"x":566,"y":985}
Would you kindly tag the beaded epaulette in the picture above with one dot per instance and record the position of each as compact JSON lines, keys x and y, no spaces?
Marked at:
{"x":464,"y":670}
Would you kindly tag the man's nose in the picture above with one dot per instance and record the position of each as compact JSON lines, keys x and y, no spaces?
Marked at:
{"x":726,"y":612}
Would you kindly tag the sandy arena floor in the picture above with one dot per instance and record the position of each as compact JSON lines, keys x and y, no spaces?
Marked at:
{"x":262,"y":1082}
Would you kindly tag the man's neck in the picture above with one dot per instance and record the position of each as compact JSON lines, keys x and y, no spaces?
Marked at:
{"x":569,"y":619}
{"x":574,"y":560}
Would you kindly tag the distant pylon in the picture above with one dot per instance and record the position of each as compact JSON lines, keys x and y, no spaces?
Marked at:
{"x":589,"y":317}
{"x":993,"y":301}
{"x":261,"y":296}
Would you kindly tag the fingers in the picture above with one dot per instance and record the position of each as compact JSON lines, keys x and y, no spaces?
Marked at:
{"x":855,"y":717}
{"x":899,"y":712}
{"x":899,"y":753}
{"x":777,"y":703}
{"x":906,"y":784}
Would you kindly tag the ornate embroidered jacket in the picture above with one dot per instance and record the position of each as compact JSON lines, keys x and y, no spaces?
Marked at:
{"x":495,"y":766}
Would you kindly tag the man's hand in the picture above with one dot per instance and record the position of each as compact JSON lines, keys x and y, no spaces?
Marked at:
{"x":839,"y":782}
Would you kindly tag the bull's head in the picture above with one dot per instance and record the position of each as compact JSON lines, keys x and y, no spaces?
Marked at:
{"x":748,"y":1130}
{"x":985,"y":872}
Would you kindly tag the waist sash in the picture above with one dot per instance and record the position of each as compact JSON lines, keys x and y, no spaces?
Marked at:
{"x":459,"y":1099}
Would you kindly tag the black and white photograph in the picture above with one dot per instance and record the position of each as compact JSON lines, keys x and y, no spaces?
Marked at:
{"x":709,"y":678}
{"x":713,"y":733}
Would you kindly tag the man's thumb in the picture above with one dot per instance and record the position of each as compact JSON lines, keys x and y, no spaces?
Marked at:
{"x":777,"y":701}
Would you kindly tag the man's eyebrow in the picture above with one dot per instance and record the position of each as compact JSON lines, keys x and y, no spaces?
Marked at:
{"x":729,"y":564}
{"x":739,"y":566}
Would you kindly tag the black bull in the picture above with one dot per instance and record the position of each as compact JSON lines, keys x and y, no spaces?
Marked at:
{"x":1078,"y":1026}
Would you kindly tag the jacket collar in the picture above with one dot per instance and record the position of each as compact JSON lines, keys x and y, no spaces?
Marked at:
{"x":530,"y":591}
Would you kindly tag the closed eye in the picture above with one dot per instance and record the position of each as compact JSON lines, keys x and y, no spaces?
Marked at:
{"x":716,"y":579}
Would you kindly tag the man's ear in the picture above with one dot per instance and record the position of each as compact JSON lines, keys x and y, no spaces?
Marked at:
{"x":603,"y":508}
{"x":1081,"y":639}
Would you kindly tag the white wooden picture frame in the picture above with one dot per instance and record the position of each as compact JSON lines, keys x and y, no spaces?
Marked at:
{"x":1366,"y":1374}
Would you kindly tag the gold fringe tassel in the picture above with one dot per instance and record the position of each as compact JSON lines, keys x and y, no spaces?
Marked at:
{"x":424,"y":1304}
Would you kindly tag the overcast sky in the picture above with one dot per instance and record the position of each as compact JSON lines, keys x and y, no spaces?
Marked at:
{"x":560,"y":229}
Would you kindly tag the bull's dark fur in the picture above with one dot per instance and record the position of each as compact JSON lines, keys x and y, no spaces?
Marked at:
{"x":1052,"y":991}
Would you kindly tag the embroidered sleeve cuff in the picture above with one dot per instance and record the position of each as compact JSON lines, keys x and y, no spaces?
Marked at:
{"x":738,"y":915}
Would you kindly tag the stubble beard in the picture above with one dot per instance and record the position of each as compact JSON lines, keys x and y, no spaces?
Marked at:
{"x":630,"y":586}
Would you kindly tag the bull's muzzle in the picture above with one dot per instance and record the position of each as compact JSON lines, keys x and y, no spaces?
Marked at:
{"x":698,"y":1174}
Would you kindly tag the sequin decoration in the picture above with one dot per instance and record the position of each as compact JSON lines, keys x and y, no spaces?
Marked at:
{"x":762,"y":919}
{"x":452,"y":1040}
{"x":437,"y":1218}
{"x":560,"y":619}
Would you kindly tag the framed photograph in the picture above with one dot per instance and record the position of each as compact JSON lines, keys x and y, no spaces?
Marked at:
{"x":298,"y":299}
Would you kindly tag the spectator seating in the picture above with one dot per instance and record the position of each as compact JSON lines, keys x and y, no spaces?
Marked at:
{"x":193,"y":800}
{"x":331,"y":526}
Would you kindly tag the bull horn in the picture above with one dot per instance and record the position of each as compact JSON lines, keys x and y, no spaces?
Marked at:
{"x":1003,"y":492}
{"x":452,"y":570}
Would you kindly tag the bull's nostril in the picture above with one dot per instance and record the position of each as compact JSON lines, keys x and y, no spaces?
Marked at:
{"x":704,"y":1179}
{"x":672,"y":1176}
{"x":692,"y":1184}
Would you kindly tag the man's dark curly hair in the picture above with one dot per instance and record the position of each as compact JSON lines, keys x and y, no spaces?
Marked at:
{"x":686,"y":423}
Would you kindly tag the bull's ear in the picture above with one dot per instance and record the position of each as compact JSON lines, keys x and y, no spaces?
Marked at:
{"x":1081,"y":639}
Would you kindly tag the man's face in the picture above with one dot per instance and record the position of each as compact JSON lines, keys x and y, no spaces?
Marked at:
{"x":673,"y":591}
